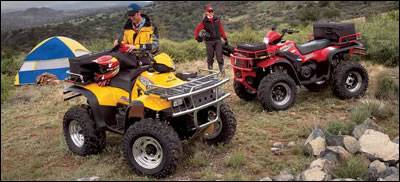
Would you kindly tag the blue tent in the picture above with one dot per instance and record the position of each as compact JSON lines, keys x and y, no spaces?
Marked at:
{"x":50,"y":55}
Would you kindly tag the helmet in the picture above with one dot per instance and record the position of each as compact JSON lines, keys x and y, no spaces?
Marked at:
{"x":204,"y":35}
{"x":272,"y":37}
{"x":108,"y":67}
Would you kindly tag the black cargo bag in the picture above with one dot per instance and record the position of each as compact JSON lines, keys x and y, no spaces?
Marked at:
{"x":84,"y":66}
{"x":333,"y":31}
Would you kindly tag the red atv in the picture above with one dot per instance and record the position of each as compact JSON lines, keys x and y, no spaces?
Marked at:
{"x":271,"y":70}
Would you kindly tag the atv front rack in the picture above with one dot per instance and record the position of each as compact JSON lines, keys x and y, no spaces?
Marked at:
{"x":198,"y":93}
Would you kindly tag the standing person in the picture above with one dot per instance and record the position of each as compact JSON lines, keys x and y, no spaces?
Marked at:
{"x":213,"y":26}
{"x":139,"y":33}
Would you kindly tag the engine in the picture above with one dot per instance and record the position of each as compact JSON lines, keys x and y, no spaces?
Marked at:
{"x":308,"y":71}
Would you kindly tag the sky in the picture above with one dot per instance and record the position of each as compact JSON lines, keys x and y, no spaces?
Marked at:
{"x":22,"y":5}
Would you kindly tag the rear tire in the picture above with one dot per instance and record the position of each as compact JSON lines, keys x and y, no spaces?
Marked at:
{"x":242,"y":92}
{"x":152,"y":147}
{"x":277,"y":91}
{"x":225,"y":127}
{"x":349,"y":80}
{"x":80,"y":132}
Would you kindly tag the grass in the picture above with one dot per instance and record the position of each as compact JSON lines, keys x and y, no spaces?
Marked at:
{"x":353,"y":167}
{"x":31,"y":119}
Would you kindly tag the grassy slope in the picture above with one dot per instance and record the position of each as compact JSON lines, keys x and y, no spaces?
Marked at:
{"x":33,"y":147}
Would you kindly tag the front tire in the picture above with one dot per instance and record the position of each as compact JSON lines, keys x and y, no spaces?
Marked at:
{"x":277,"y":91}
{"x":80,"y":132}
{"x":349,"y":80}
{"x":152,"y":148}
{"x":242,"y":92}
{"x":224,"y":129}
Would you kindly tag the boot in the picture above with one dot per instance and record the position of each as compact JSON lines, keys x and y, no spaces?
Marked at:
{"x":210,"y":66}
{"x":222,"y":69}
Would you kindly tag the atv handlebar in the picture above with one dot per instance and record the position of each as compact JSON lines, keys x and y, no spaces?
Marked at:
{"x":289,"y":31}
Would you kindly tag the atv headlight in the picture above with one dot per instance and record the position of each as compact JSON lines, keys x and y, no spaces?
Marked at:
{"x":145,"y":81}
{"x":266,"y":40}
{"x":177,"y":102}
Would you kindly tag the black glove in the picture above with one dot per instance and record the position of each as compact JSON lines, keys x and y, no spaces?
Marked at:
{"x":226,"y":42}
{"x":199,"y":39}
{"x":145,"y":47}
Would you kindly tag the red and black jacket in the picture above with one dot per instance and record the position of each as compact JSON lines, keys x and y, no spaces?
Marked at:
{"x":214,"y":28}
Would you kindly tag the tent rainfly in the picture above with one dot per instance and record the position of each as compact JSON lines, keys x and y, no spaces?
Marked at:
{"x":50,"y":55}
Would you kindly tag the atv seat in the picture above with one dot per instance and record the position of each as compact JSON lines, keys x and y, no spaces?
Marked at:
{"x":125,"y":78}
{"x":252,"y":47}
{"x":313,"y":46}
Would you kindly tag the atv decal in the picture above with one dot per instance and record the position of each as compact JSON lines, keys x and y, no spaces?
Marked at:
{"x":308,"y":56}
{"x":286,"y":48}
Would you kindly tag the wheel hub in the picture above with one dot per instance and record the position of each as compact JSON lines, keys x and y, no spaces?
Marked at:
{"x":353,"y":81}
{"x":147,"y":152}
{"x":75,"y":132}
{"x":280,"y":94}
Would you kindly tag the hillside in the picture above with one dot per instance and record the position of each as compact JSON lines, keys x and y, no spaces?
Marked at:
{"x":177,"y":20}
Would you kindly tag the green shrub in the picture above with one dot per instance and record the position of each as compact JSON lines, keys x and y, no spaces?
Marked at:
{"x":183,"y":51}
{"x":338,"y":128}
{"x":6,"y":86}
{"x":379,"y":109}
{"x":386,"y":88}
{"x":236,"y":160}
{"x":353,"y":167}
{"x":360,"y":114}
{"x":381,"y":38}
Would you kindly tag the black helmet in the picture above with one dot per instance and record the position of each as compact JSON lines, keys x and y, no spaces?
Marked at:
{"x":204,"y":35}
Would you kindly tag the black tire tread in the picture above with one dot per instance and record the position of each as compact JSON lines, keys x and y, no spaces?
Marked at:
{"x":339,"y":73}
{"x":264,"y":88}
{"x":94,"y":140}
{"x":228,"y":126}
{"x":172,"y":144}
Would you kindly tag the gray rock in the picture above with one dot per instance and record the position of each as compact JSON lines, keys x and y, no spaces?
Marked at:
{"x":314,"y":174}
{"x":315,"y":143}
{"x":92,"y":178}
{"x":275,"y":150}
{"x":351,"y":144}
{"x":397,"y":165}
{"x":359,"y":130}
{"x":340,"y":150}
{"x":266,"y":179}
{"x":377,"y":145}
{"x":343,"y":179}
{"x":375,"y":169}
{"x":284,"y":175}
{"x":390,"y":174}
{"x":319,"y":163}
{"x":330,"y":156}
{"x":279,"y":145}
{"x":291,"y":144}
{"x":334,"y":140}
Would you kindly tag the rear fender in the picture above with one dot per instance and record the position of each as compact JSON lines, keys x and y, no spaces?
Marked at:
{"x":100,"y":113}
{"x":349,"y":49}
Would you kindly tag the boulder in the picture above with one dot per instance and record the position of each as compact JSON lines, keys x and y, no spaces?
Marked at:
{"x":390,"y":174}
{"x":284,"y":175}
{"x":314,"y":174}
{"x":340,"y":150}
{"x":315,"y":143}
{"x":334,"y":140}
{"x":343,"y":179}
{"x":319,"y":163}
{"x":359,"y":130}
{"x":351,"y":144}
{"x":377,"y":145}
{"x":266,"y":179}
{"x":291,"y":144}
{"x":92,"y":178}
{"x":275,"y":150}
{"x":331,"y":156}
{"x":279,"y":145}
{"x":375,"y":169}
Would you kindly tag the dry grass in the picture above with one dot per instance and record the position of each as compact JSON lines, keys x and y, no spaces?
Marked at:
{"x":33,"y":147}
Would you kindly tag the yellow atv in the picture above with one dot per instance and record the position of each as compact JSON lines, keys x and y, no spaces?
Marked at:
{"x":154,"y":110}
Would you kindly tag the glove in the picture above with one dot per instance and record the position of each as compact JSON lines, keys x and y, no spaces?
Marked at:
{"x":199,"y":39}
{"x":226,"y":42}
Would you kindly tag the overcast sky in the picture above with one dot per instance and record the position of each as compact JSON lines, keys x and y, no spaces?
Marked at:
{"x":22,"y":5}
